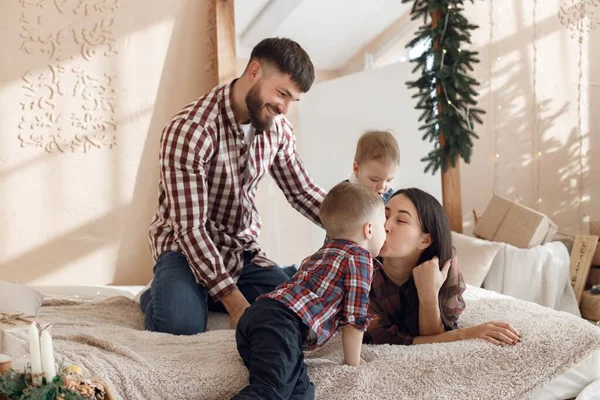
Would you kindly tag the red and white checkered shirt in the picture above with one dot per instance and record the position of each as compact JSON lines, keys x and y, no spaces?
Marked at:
{"x":208,"y":182}
{"x":330,"y":290}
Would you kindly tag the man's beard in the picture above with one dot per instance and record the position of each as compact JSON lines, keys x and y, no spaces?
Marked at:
{"x":256,"y":107}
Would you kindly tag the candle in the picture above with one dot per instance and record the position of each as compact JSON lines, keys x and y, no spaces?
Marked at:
{"x":34,"y":350}
{"x":47,"y":357}
{"x":5,"y":363}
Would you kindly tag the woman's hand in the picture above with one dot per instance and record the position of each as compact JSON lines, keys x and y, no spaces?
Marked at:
{"x":429,"y":278}
{"x":494,"y":332}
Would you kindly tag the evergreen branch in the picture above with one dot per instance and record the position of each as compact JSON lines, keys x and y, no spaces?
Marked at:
{"x":446,"y":93}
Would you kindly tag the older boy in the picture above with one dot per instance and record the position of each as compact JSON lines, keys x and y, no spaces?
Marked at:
{"x":329,"y":292}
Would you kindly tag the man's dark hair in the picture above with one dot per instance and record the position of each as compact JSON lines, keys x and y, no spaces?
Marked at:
{"x":289,"y":58}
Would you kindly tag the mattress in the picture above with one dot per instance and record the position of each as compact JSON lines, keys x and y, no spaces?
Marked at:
{"x":87,"y":293}
{"x":566,"y":386}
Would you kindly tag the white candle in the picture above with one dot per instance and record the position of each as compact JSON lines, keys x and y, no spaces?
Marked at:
{"x":48,"y":357}
{"x":34,"y":350}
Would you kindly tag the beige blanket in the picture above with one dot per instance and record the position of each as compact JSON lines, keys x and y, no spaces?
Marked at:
{"x":107,"y":340}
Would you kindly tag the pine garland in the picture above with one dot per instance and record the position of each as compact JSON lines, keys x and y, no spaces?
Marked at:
{"x":17,"y":385}
{"x":12,"y":383}
{"x":446,"y":92}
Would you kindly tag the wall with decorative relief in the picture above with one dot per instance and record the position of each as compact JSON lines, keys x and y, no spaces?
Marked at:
{"x":540,"y":86}
{"x":85,"y":89}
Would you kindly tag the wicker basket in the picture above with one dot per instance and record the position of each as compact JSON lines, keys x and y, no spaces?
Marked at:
{"x":590,"y":306}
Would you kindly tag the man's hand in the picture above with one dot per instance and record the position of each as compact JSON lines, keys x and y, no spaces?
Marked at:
{"x":235,"y":303}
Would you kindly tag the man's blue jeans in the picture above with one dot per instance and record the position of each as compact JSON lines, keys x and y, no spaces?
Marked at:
{"x":176,"y":304}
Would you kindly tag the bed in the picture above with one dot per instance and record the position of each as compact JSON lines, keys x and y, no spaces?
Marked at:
{"x":101,"y":329}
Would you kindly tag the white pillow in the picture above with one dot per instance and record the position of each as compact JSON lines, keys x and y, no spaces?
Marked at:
{"x":475,"y":257}
{"x":16,"y":298}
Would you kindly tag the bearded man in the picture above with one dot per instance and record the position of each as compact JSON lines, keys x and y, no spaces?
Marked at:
{"x":213,"y":154}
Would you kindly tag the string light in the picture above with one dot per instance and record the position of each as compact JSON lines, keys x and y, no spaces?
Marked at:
{"x":580,"y":84}
{"x":444,"y":51}
{"x":535,"y":130}
{"x":495,"y":165}
{"x":573,"y":183}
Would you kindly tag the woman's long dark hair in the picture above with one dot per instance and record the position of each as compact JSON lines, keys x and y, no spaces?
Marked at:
{"x":434,"y":221}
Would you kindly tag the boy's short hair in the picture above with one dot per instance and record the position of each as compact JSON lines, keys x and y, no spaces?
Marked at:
{"x":288,"y":57}
{"x":347,"y":207}
{"x":377,"y":145}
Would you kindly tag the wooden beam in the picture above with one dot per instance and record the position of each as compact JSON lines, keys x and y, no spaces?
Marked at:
{"x":225,"y":40}
{"x":267,"y":21}
{"x":451,"y":191}
{"x":378,"y":44}
{"x":451,"y":196}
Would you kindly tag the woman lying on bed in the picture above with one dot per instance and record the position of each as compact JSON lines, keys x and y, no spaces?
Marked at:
{"x":414,"y":299}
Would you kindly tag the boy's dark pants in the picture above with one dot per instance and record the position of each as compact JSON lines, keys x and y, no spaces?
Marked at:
{"x":269,"y":339}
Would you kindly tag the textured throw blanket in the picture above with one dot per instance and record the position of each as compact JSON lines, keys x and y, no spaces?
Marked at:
{"x":540,"y":274}
{"x":107,"y":340}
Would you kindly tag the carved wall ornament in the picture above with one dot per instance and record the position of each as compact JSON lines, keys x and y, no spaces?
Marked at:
{"x":68,"y":108}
